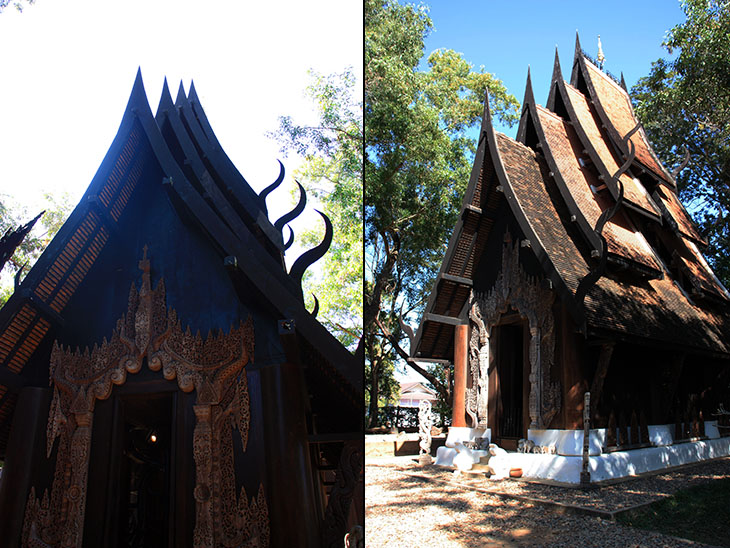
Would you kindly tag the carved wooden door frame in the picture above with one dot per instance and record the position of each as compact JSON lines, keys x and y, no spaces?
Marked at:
{"x":514,"y":288}
{"x":214,"y":367}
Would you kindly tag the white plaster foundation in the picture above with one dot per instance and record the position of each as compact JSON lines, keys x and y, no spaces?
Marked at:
{"x":455,"y":453}
{"x":566,"y":465}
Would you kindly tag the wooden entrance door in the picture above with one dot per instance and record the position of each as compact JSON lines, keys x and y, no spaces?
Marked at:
{"x":508,"y":407}
{"x":135,"y":471}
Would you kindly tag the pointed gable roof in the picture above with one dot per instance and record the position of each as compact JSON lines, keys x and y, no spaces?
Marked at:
{"x":503,"y":170}
{"x":551,"y":182}
{"x":578,"y":183}
{"x":614,"y":109}
{"x":148,"y":145}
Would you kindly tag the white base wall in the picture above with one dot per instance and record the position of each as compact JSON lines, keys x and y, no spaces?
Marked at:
{"x":566,"y":465}
{"x":455,"y":453}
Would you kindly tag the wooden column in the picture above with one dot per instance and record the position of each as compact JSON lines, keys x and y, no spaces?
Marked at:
{"x":604,"y":360}
{"x":461,"y":353}
{"x":26,"y":446}
{"x":294,"y":519}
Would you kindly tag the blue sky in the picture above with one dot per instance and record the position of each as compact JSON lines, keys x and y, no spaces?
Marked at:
{"x":507,"y":37}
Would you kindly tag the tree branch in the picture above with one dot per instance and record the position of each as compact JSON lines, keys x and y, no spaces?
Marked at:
{"x":440,"y":388}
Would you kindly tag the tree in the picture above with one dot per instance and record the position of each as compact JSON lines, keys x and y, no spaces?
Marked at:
{"x":418,"y":154}
{"x":684,"y":104}
{"x":57,"y":210}
{"x":332,"y":173}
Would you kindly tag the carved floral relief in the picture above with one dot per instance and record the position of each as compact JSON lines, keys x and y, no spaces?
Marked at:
{"x":514,"y":288}
{"x":213,"y":366}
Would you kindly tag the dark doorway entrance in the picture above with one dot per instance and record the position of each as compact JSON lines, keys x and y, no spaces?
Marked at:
{"x":510,"y":384}
{"x":145,"y":471}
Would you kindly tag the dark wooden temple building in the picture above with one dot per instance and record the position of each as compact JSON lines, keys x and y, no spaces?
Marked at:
{"x":573,"y":268}
{"x":161,"y":382}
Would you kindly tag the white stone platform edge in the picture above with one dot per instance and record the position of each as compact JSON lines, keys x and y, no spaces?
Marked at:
{"x":567,"y":468}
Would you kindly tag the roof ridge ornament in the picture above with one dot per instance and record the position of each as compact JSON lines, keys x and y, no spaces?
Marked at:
{"x":273,"y":186}
{"x":294,"y":213}
{"x":600,"y":57}
{"x":309,"y":257}
{"x":590,"y":279}
{"x":684,"y":163}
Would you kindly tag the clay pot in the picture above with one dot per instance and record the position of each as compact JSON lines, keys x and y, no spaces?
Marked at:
{"x":515,"y":473}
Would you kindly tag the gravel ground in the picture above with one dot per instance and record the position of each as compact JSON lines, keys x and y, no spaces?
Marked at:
{"x":408,"y":505}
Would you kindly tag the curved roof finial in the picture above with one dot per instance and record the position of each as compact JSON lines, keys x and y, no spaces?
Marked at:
{"x":600,"y":57}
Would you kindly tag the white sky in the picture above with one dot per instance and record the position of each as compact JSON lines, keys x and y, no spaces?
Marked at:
{"x":67,"y":69}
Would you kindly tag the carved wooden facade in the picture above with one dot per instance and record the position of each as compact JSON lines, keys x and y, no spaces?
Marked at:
{"x":514,"y":289}
{"x":214,"y":367}
{"x":246,"y":449}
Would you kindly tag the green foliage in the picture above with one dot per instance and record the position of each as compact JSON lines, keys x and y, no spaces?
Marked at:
{"x":57,"y":209}
{"x":332,"y":173}
{"x":685,"y":104}
{"x":418,"y":153}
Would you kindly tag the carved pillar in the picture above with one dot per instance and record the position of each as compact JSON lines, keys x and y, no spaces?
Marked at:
{"x":461,"y":352}
{"x":535,"y":379}
{"x":483,"y":396}
{"x":202,"y":451}
{"x":76,"y":494}
{"x":25,"y":448}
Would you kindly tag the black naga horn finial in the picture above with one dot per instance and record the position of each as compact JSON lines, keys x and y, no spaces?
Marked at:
{"x":294,"y":213}
{"x":273,"y":186}
{"x":315,"y":311}
{"x":683,"y":165}
{"x":290,"y":241}
{"x":308,"y":258}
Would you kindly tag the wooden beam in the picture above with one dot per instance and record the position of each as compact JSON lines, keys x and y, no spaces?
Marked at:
{"x":457,"y":279}
{"x":439,"y":318}
{"x":43,"y":308}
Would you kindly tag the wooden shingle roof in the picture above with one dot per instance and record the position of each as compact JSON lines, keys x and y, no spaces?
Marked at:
{"x":556,"y":180}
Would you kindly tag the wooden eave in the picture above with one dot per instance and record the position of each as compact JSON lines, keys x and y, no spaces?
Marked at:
{"x":253,"y":261}
{"x":550,"y":271}
{"x":692,"y":234}
{"x":599,"y":333}
{"x":662,"y":176}
{"x":232,"y":183}
{"x":577,"y":215}
{"x":531,"y":107}
{"x":487,"y":145}
{"x":603,"y":170}
{"x":192,"y":164}
{"x":457,"y":287}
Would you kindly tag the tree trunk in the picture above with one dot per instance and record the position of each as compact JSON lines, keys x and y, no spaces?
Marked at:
{"x":375,"y":364}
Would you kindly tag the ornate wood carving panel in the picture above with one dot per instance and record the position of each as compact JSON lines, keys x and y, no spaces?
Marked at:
{"x":213,"y":366}
{"x":514,"y":288}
